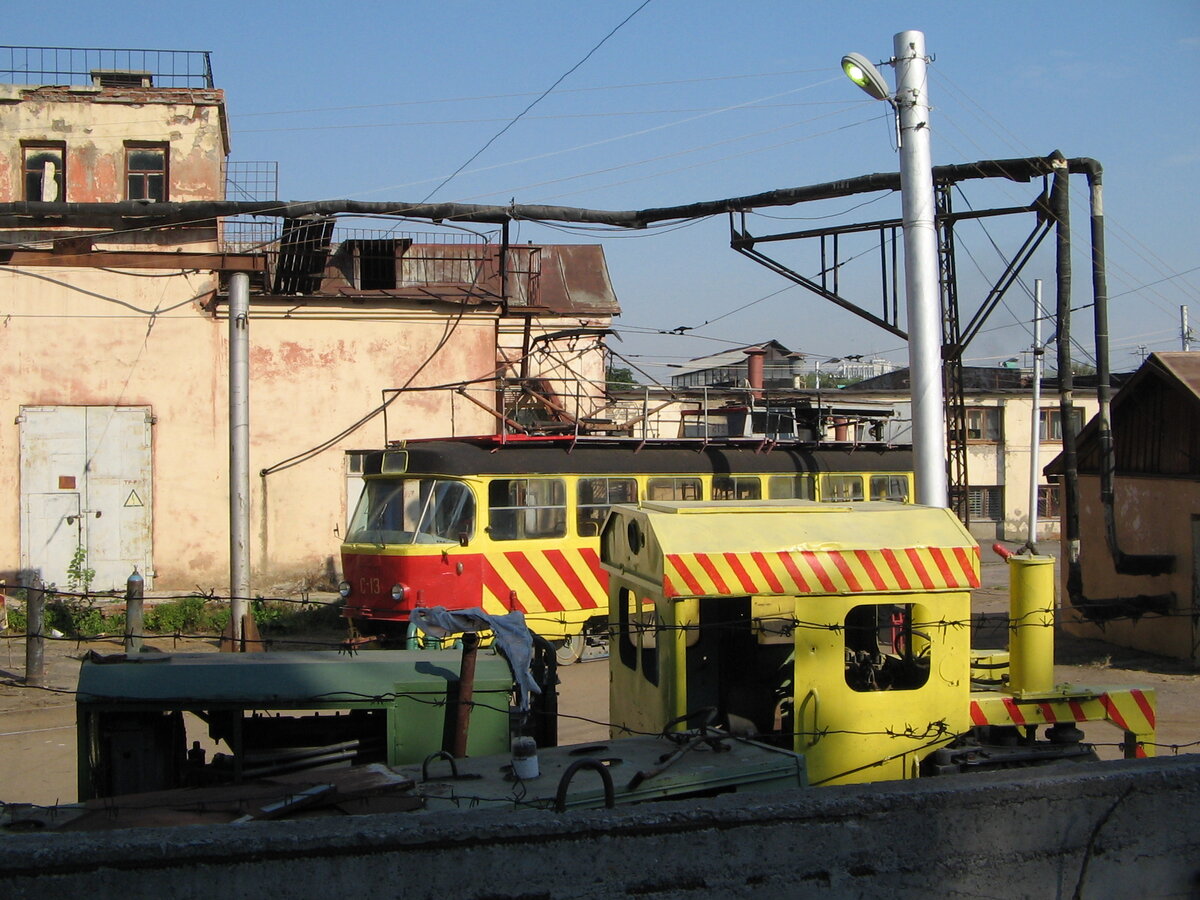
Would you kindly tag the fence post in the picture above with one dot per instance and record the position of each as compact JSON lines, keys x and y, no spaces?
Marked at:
{"x":134,"y":610}
{"x":35,"y":639}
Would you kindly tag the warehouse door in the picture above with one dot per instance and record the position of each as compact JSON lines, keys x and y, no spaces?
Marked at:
{"x":86,"y":495}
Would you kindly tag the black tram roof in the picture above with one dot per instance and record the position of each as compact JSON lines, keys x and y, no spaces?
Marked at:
{"x":491,"y":456}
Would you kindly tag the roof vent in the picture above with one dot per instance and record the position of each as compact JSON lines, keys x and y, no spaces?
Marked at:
{"x":121,"y":78}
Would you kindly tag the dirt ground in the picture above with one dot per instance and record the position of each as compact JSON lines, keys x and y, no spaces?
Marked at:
{"x":37,"y":725}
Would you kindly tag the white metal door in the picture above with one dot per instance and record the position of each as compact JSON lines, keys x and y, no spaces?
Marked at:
{"x":102,"y":455}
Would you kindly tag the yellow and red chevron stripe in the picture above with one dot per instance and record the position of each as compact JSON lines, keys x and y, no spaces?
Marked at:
{"x":1132,"y":710}
{"x":567,"y":580}
{"x":821,"y":571}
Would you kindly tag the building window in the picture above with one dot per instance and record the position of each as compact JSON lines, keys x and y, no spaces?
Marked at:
{"x":1050,"y":423}
{"x":983,"y":424}
{"x":595,"y":497}
{"x":45,"y":178}
{"x":736,"y":487}
{"x":1048,"y":502}
{"x":986,"y":504}
{"x":146,"y":172}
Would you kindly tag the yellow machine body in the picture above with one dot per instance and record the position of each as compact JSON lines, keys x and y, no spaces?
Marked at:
{"x":840,"y":631}
{"x":830,"y":623}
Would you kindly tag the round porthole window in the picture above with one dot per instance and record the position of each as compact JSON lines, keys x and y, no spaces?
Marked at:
{"x":634,"y":533}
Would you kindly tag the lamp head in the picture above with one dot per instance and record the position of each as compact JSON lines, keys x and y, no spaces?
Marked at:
{"x":863,"y":73}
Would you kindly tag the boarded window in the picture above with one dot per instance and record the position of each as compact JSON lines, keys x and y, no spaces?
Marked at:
{"x":986,"y":503}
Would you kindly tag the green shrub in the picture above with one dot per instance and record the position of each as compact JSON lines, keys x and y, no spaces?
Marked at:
{"x":188,"y":615}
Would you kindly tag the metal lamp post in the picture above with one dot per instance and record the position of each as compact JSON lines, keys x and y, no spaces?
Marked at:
{"x":911,"y":102}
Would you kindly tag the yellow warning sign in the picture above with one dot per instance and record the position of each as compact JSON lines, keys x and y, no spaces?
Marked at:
{"x":133,"y":499}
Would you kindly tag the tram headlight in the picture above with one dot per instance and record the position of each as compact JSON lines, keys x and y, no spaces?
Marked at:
{"x":344,"y":589}
{"x":399,"y":592}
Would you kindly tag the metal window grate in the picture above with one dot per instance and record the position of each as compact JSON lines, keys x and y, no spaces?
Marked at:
{"x":78,"y":66}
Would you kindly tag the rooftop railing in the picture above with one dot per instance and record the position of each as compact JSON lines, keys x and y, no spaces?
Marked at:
{"x":77,"y":66}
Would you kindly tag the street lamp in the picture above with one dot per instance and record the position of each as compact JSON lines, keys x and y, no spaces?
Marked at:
{"x":911,"y":103}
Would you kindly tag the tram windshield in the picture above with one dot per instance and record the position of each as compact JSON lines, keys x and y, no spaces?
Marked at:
{"x":413,"y":511}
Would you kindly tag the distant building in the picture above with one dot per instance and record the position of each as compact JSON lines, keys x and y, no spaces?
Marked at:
{"x":116,"y":359}
{"x":730,"y":368}
{"x":998,"y":434}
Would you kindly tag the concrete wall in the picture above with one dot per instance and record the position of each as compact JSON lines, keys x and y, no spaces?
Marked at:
{"x":1124,"y":829}
{"x":1154,"y":515}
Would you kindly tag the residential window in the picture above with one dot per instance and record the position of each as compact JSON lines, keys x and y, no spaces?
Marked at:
{"x":736,"y":487}
{"x":45,"y":178}
{"x":790,"y":487}
{"x":673,"y":489}
{"x":841,"y":488}
{"x":595,"y":497}
{"x":983,"y":423}
{"x":1050,"y":423}
{"x":521,"y":508}
{"x":986,"y":504}
{"x":1048,"y":502}
{"x":146,"y":172}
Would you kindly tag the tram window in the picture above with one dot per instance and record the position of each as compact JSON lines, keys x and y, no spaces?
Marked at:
{"x":521,"y":508}
{"x":887,"y":647}
{"x":889,"y":487}
{"x":413,"y":511}
{"x":841,"y":488}
{"x":790,"y":487}
{"x":595,"y":496}
{"x":736,"y":487}
{"x":673,"y":489}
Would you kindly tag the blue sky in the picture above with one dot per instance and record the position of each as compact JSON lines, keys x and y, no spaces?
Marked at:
{"x":695,"y":99}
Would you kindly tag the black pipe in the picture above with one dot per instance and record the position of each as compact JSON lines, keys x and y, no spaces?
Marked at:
{"x":1061,"y":209}
{"x":1125,"y":563}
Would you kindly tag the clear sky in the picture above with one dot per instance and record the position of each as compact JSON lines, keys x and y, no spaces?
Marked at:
{"x":696,"y":99}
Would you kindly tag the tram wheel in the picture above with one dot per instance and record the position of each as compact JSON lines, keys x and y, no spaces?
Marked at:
{"x":567,"y":652}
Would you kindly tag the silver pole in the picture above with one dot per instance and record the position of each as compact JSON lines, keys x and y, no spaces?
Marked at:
{"x":1184,"y":333}
{"x":1034,"y":428}
{"x":239,"y":451}
{"x":921,"y":270}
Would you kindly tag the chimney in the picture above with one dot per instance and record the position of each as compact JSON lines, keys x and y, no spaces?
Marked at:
{"x":754,"y":374}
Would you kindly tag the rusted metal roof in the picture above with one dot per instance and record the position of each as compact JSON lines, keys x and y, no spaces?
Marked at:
{"x":1155,"y":422}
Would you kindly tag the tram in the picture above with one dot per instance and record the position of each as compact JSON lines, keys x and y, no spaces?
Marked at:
{"x":512,"y":523}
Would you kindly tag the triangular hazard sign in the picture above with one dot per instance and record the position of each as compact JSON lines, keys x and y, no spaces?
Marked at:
{"x":133,"y":499}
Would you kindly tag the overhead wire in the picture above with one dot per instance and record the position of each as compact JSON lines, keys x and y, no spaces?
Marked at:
{"x":537,"y":99}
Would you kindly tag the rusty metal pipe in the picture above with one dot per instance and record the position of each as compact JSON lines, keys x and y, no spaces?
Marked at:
{"x":466,"y":694}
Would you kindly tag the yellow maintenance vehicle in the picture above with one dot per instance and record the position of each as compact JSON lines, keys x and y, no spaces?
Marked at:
{"x":840,"y":632}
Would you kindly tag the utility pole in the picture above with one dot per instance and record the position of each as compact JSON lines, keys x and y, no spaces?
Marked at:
{"x":1185,"y":333}
{"x":239,"y":453}
{"x":921,"y":270}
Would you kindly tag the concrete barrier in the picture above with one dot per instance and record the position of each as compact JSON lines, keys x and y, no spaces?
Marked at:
{"x":1118,"y":829}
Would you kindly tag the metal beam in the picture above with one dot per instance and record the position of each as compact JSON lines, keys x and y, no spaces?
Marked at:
{"x":136,"y":259}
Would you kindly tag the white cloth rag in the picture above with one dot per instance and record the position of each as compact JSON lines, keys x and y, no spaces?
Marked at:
{"x":510,"y":631}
